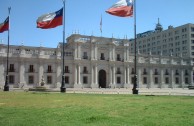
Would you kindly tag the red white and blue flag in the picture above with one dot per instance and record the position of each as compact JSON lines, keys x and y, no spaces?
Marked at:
{"x":123,"y":8}
{"x":50,"y":20}
{"x":4,"y":26}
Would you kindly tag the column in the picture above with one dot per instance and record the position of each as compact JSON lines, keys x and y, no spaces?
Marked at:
{"x":110,"y":52}
{"x":114,"y":83}
{"x":78,"y":76}
{"x":125,"y":75}
{"x":139,"y":79}
{"x":21,"y":80}
{"x":40,"y":73}
{"x":191,"y":77}
{"x":75,"y":51}
{"x":161,"y":78}
{"x":92,"y":52}
{"x":58,"y":75}
{"x":96,"y":75}
{"x":125,"y":57}
{"x":128,"y":76}
{"x":79,"y":51}
{"x":113,"y":53}
{"x":96,"y":52}
{"x":172,"y":78}
{"x":110,"y":74}
{"x":92,"y":76}
{"x":75,"y":74}
{"x":150,"y":78}
{"x":127,"y":54}
{"x":182,"y":79}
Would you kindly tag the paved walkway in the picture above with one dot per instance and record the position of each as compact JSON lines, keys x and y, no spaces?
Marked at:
{"x":142,"y":91}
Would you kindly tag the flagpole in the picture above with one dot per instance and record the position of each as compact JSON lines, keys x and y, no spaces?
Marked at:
{"x":135,"y":91}
{"x":6,"y":86}
{"x":63,"y":88}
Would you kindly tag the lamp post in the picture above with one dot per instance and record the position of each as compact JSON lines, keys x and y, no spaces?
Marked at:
{"x":63,"y":88}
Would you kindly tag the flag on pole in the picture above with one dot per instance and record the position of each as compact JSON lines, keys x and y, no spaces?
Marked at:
{"x":123,"y":8}
{"x":4,"y":26}
{"x":101,"y":24}
{"x":50,"y":20}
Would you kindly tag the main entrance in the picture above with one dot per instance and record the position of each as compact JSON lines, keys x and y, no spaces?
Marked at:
{"x":102,"y":78}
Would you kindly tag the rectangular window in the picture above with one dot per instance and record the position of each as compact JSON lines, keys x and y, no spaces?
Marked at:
{"x":85,"y":55}
{"x":177,"y":80}
{"x":66,"y":69}
{"x":11,"y":68}
{"x":49,"y":79}
{"x":156,"y":80}
{"x":66,"y":80}
{"x":11,"y":79}
{"x":31,"y":79}
{"x":167,"y":80}
{"x":85,"y":70}
{"x":85,"y":80}
{"x":145,"y":80}
{"x":118,"y":57}
{"x":186,"y":80}
{"x":118,"y":80}
{"x":49,"y":69}
{"x":102,"y":56}
{"x":192,"y":29}
{"x":31,"y":68}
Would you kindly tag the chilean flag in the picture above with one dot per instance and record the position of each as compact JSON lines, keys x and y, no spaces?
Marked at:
{"x":123,"y":8}
{"x":50,"y":20}
{"x":4,"y":26}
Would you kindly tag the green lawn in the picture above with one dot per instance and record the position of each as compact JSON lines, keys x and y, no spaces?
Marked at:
{"x":57,"y":109}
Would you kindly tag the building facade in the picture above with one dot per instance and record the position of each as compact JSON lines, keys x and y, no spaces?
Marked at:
{"x":92,"y":62}
{"x":175,"y":41}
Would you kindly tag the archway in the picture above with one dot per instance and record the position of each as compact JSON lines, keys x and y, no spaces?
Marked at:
{"x":102,"y":79}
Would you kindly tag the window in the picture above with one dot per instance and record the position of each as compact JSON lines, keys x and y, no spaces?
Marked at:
{"x":132,"y":71}
{"x":192,"y":35}
{"x":49,"y":79}
{"x":145,"y":80}
{"x":192,"y":29}
{"x":186,"y":80}
{"x":31,"y":69}
{"x":66,"y":80}
{"x":85,"y":55}
{"x":118,"y":80}
{"x":192,"y":41}
{"x":118,"y":57}
{"x":66,"y":69}
{"x":118,"y":71}
{"x":11,"y":79}
{"x":144,"y":71}
{"x":156,"y":72}
{"x":31,"y":79}
{"x":177,"y":80}
{"x":186,"y":72}
{"x":49,"y":69}
{"x":156,"y":80}
{"x":85,"y":70}
{"x":85,"y":80}
{"x":167,"y":80}
{"x":177,"y":72}
{"x":102,"y":56}
{"x":11,"y":69}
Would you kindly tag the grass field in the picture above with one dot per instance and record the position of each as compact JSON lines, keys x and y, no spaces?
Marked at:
{"x":56,"y":109}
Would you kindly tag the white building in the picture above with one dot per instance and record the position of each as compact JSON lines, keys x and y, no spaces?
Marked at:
{"x":92,"y":62}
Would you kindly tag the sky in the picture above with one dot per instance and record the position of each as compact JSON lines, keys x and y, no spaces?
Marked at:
{"x":83,"y":17}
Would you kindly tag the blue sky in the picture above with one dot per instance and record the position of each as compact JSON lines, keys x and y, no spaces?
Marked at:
{"x":84,"y":16}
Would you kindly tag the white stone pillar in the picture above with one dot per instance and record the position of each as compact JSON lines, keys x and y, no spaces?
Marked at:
{"x":161,"y":78}
{"x":182,"y":78}
{"x":114,"y":83}
{"x":92,"y":75}
{"x":41,"y":73}
{"x":110,"y":74}
{"x":78,"y":76}
{"x":96,"y":52}
{"x":125,"y":76}
{"x":125,"y":54}
{"x":191,"y":77}
{"x":96,"y":75}
{"x":21,"y":74}
{"x":76,"y":51}
{"x":128,"y":76}
{"x":113,"y":53}
{"x":75,"y":75}
{"x":58,"y":75}
{"x":92,"y":52}
{"x":110,"y":53}
{"x":172,"y":78}
{"x":139,"y":79}
{"x":150,"y":78}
